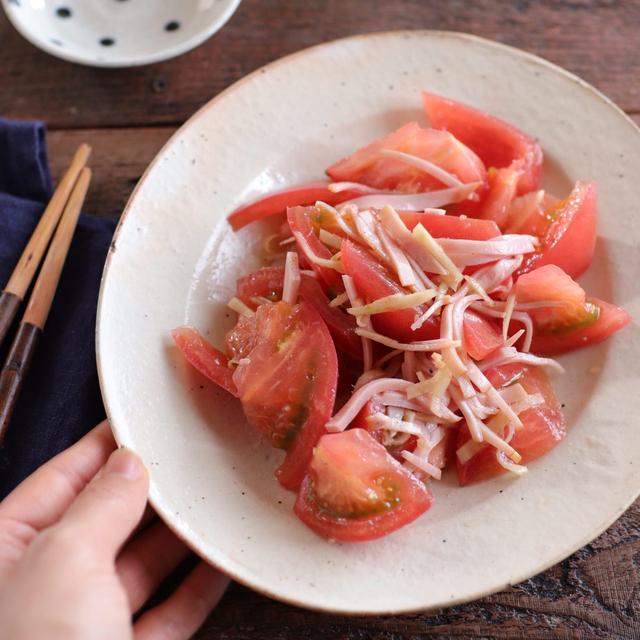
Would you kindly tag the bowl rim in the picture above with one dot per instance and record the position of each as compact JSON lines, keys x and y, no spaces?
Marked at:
{"x":135,"y":61}
{"x":167,"y":516}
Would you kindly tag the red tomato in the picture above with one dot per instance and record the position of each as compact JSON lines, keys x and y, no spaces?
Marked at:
{"x":287,"y":386}
{"x":373,"y":281}
{"x":300,"y":221}
{"x":570,"y":236}
{"x":601,"y":320}
{"x":449,"y":226}
{"x":527,"y":213}
{"x":279,"y":201}
{"x":551,"y":284}
{"x":498,"y":143}
{"x":502,"y":191}
{"x":240,"y":341}
{"x":579,"y":322}
{"x":268,"y":282}
{"x":354,"y":490}
{"x":204,"y":357}
{"x":481,"y":335}
{"x":543,"y":426}
{"x":368,"y":166}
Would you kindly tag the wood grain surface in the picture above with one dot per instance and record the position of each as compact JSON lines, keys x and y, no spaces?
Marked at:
{"x":127,"y":115}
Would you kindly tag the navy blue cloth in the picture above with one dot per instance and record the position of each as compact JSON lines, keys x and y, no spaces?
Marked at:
{"x":60,"y":400}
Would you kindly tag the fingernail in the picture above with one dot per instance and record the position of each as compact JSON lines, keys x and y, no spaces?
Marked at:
{"x":123,"y":462}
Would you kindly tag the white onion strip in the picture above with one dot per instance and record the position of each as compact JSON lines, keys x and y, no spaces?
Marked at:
{"x":342,"y":419}
{"x":452,"y":275}
{"x":473,"y":423}
{"x":337,"y":187}
{"x":493,"y":275}
{"x":381,"y":421}
{"x":240,"y":307}
{"x":420,"y":320}
{"x":508,"y":355}
{"x":424,"y":165}
{"x":395,"y":227}
{"x":398,"y":259}
{"x":339,"y":300}
{"x":418,"y":345}
{"x":415,"y":201}
{"x":366,"y":228}
{"x":393,"y":302}
{"x":291,"y":278}
{"x":481,"y":382}
{"x":422,"y":464}
{"x":361,"y":321}
{"x":312,"y":257}
{"x":517,"y":469}
{"x":329,"y":239}
{"x":508,"y":312}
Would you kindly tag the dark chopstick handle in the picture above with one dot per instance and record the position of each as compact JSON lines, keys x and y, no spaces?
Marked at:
{"x":9,"y":305}
{"x":14,"y":371}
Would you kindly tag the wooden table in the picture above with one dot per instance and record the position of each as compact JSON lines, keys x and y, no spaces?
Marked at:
{"x":128,"y":114}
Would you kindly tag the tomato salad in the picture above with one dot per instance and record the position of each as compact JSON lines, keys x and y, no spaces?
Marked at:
{"x":407,"y":318}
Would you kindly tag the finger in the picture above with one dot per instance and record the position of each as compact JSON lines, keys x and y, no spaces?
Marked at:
{"x":43,"y":497}
{"x":149,"y":517}
{"x":184,"y":611}
{"x":108,"y":510}
{"x":146,"y":561}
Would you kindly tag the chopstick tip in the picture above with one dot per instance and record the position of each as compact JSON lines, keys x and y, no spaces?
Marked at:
{"x":83,"y":152}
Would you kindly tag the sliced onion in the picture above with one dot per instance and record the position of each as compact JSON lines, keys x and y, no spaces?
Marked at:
{"x":312,"y":257}
{"x":422,"y":464}
{"x":291,"y":278}
{"x":342,"y":419}
{"x":398,"y":259}
{"x":418,"y":345}
{"x":415,"y":201}
{"x":424,"y":165}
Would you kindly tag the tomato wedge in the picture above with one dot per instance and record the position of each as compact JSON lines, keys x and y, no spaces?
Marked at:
{"x":287,"y":384}
{"x":603,"y":320}
{"x":502,"y":190}
{"x":268,"y":282}
{"x":577,"y":322}
{"x":204,"y":357}
{"x":544,"y":425}
{"x":527,"y":213}
{"x":570,"y":235}
{"x":369,"y":166}
{"x":355,"y":491}
{"x":448,"y":226}
{"x":279,"y":201}
{"x":498,"y":143}
{"x":481,"y":335}
{"x":373,"y":281}
{"x":300,"y":222}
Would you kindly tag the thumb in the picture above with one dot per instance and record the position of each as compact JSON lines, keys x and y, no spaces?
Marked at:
{"x":110,"y":507}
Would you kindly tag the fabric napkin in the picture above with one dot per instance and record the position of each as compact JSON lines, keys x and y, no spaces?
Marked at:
{"x":60,"y":400}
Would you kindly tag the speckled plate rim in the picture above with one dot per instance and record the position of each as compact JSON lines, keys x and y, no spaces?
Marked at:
{"x":175,"y":524}
{"x":139,"y":61}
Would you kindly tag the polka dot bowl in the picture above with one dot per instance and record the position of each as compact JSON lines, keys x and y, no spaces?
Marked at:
{"x":118,"y":33}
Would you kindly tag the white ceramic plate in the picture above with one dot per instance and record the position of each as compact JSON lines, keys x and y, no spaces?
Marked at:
{"x":175,"y":261}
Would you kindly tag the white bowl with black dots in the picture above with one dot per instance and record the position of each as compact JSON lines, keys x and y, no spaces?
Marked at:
{"x":118,"y":33}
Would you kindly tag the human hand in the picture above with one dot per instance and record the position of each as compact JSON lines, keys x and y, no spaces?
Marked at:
{"x":68,"y":567}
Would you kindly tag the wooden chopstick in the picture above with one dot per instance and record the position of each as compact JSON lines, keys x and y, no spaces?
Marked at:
{"x":20,"y":280}
{"x":34,"y":318}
